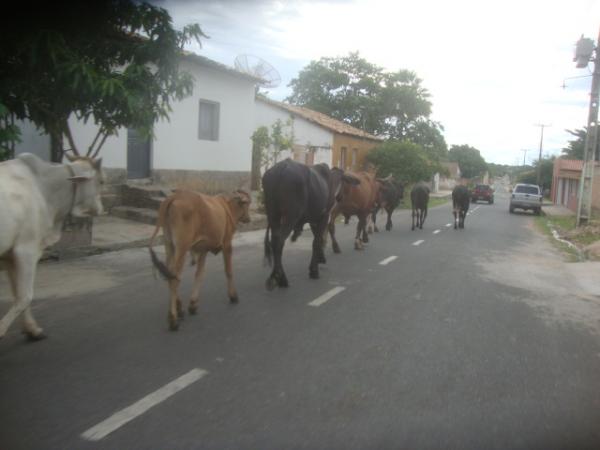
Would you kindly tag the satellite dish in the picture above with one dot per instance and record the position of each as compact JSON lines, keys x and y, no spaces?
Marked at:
{"x":258,"y":67}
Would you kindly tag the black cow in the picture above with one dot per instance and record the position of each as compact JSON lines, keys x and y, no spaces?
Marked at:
{"x":419,"y":197}
{"x":389,"y":197}
{"x":460,"y":205}
{"x":295,"y":194}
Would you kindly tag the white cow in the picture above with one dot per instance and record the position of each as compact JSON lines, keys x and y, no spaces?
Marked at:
{"x":35,"y":198}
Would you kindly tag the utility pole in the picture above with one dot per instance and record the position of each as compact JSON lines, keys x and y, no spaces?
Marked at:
{"x":524,"y":150}
{"x":583,"y":55}
{"x":539,"y":167}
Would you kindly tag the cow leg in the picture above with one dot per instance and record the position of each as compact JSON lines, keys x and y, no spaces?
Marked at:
{"x":21,"y":273}
{"x":455,"y":218}
{"x":366,"y":225}
{"x":231,"y":291}
{"x":413,"y":219}
{"x":423,"y":216}
{"x":200,"y":265}
{"x":388,"y":224}
{"x":175,"y":306}
{"x":360,"y":229}
{"x":334,"y":244}
{"x":372,"y":227}
{"x":318,"y":255}
{"x":278,"y":277}
{"x":170,"y":255}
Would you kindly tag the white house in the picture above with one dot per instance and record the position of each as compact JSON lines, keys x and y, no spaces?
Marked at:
{"x":318,"y":138}
{"x":205,"y":144}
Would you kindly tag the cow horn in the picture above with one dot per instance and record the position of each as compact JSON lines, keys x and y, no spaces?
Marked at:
{"x":71,"y":158}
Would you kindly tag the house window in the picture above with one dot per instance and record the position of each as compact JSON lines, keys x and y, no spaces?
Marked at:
{"x":343,"y":158}
{"x":208,"y":123}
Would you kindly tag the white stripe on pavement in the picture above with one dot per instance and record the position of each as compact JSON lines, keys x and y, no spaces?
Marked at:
{"x":120,"y":418}
{"x":448,"y":224}
{"x":388,"y":260}
{"x":419,"y":242}
{"x":326,"y":296}
{"x":436,"y":231}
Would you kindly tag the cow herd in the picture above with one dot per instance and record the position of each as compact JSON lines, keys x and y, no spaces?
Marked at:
{"x":36,"y":197}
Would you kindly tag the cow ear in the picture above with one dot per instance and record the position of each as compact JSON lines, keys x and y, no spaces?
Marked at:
{"x":350,"y":179}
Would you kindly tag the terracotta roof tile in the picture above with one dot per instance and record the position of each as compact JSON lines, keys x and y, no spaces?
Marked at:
{"x":321,"y":119}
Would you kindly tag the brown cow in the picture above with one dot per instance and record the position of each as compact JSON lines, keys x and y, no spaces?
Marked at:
{"x":198,"y":224}
{"x":359,"y":200}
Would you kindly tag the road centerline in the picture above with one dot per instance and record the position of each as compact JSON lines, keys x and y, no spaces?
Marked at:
{"x":419,"y":242}
{"x":120,"y":418}
{"x":326,"y":296}
{"x":436,"y":231}
{"x":387,"y":260}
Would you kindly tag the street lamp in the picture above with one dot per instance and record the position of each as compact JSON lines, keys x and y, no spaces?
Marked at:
{"x":583,"y":55}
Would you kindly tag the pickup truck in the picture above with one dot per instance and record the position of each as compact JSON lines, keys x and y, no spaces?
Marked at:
{"x":482,"y":192}
{"x":526,"y":196}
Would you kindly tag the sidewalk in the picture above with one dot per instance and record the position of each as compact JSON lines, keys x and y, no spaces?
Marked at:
{"x":551,"y":210}
{"x":110,"y":233}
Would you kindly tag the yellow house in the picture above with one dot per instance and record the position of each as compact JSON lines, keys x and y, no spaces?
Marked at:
{"x":318,"y":137}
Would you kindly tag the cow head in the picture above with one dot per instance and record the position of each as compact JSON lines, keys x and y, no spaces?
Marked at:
{"x":390,"y":191}
{"x":87,"y":179}
{"x":339,"y":180}
{"x":239,"y":202}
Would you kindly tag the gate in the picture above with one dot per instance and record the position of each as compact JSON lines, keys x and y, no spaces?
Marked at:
{"x":138,"y":155}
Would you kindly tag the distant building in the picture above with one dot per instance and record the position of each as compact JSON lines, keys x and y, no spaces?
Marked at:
{"x":566,"y":176}
{"x":447,"y":182}
{"x":318,"y":138}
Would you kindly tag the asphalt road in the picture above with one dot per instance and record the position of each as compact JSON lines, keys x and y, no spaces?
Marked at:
{"x":467,"y":339}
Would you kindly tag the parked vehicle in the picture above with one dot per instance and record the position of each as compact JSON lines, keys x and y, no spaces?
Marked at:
{"x":526,"y":196}
{"x":482,"y":192}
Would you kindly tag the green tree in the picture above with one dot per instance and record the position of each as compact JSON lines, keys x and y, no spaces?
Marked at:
{"x":112,"y":62}
{"x":575,"y":148}
{"x":530,"y":176}
{"x":351,"y":89}
{"x":405,"y":160}
{"x":469,"y":159}
{"x":9,"y":134}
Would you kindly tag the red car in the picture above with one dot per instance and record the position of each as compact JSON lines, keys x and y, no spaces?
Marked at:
{"x":482,"y":192}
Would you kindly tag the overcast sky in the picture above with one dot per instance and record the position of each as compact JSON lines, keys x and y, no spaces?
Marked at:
{"x":495,"y":70}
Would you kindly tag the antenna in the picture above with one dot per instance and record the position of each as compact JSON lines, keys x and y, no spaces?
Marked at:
{"x":258,"y":67}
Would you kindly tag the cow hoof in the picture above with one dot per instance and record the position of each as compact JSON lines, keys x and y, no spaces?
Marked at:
{"x":270,"y":284}
{"x":31,"y":337}
{"x":388,"y":228}
{"x":336,"y":248}
{"x":322,"y":260}
{"x":173,"y":325}
{"x":234,"y":299}
{"x":358,"y":245}
{"x":313,"y":274}
{"x":192,"y":310}
{"x":365,"y":239}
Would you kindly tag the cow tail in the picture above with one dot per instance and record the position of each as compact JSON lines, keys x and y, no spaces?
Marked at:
{"x":268,"y":248}
{"x":157,"y":263}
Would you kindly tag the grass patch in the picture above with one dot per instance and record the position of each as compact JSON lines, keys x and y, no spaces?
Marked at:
{"x":565,"y":226}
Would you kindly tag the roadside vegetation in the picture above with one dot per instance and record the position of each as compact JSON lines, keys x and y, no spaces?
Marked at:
{"x":585,"y":240}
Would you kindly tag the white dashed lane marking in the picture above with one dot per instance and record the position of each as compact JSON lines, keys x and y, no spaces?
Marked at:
{"x":120,"y":418}
{"x":326,"y":296}
{"x":419,"y":242}
{"x":436,"y":231}
{"x":388,"y":260}
{"x":448,"y":225}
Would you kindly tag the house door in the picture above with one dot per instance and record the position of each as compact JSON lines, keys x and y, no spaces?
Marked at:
{"x":138,"y":155}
